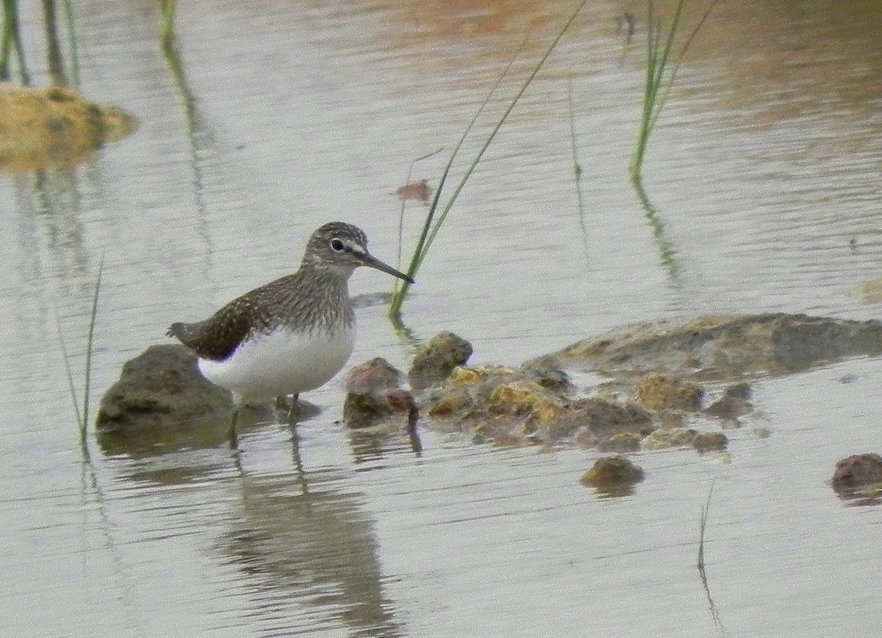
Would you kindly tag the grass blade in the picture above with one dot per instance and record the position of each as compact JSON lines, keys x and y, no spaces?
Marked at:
{"x":82,"y":413}
{"x":703,"y":527}
{"x":658,"y":59}
{"x":12,"y":41}
{"x":169,"y":11}
{"x":432,"y":224}
{"x":70,"y":381}
{"x":413,"y":267}
{"x":577,"y":168}
{"x":89,"y":351}
{"x":73,"y":43}
{"x":404,"y":204}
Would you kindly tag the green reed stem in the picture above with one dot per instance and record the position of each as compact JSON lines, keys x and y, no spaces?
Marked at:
{"x":656,"y":87}
{"x":169,"y":11}
{"x":432,"y":223}
{"x":403,"y":205}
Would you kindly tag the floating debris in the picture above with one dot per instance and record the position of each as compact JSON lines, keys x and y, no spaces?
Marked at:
{"x":418,"y":191}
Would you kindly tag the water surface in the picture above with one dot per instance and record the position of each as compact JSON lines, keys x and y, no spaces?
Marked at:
{"x":763,"y":169}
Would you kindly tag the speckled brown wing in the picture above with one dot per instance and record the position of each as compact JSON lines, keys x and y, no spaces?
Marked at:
{"x":218,"y":337}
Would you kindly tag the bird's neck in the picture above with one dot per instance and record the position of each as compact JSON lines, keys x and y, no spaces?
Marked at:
{"x":317,"y":300}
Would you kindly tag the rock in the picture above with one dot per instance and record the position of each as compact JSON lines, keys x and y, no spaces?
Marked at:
{"x":620,"y":443}
{"x":55,"y":126}
{"x":383,"y":413}
{"x":722,"y":347}
{"x":527,"y":400}
{"x":436,"y":360}
{"x":504,"y":405}
{"x":739,"y":391}
{"x":595,"y":419}
{"x":664,"y":438}
{"x":372,"y":376}
{"x":161,"y":399}
{"x":729,"y":408}
{"x":550,"y":378}
{"x":660,"y":392}
{"x":373,"y":397}
{"x":613,"y":475}
{"x":496,"y":404}
{"x":710,"y":442}
{"x":858,"y":472}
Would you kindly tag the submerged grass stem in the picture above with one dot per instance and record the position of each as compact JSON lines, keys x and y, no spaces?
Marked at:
{"x":81,"y":408}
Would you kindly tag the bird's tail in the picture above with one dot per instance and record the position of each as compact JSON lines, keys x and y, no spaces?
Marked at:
{"x":176,"y":330}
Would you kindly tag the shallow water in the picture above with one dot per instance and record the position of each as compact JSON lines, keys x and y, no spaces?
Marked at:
{"x":763,"y":168}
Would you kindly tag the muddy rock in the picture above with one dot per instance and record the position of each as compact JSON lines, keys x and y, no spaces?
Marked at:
{"x":665,"y":438}
{"x":662,"y":392}
{"x":55,"y":126}
{"x":620,"y":443}
{"x":857,"y":473}
{"x":374,"y":397}
{"x":161,"y":395}
{"x":595,"y":419}
{"x":739,"y":391}
{"x":722,"y":347}
{"x":436,"y":360}
{"x":372,"y":376}
{"x":710,"y":442}
{"x":613,"y":474}
{"x":729,"y":408}
{"x":550,"y":378}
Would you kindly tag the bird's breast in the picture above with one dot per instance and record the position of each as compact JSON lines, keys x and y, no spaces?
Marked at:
{"x":283,"y":361}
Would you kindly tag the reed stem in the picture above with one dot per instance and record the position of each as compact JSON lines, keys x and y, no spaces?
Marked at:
{"x":433,"y":223}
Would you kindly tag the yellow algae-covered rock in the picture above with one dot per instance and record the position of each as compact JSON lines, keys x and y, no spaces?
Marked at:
{"x":526,"y":399}
{"x":453,"y":401}
{"x":664,"y":392}
{"x":471,"y":375}
{"x":55,"y":126}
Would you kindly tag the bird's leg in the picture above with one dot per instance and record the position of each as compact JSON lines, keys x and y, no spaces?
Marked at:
{"x":282,"y":403}
{"x":293,"y":410}
{"x":231,"y":431}
{"x":413,"y":416}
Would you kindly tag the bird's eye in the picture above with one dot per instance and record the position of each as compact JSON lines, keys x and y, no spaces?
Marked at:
{"x":337,"y":245}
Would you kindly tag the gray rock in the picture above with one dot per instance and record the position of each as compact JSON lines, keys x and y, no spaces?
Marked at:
{"x":857,"y":472}
{"x":722,"y":347}
{"x":160,"y":397}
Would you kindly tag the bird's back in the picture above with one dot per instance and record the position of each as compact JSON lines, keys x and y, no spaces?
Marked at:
{"x":325,"y":307}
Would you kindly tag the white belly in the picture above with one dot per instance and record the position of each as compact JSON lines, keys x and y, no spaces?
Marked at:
{"x":280,"y":363}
